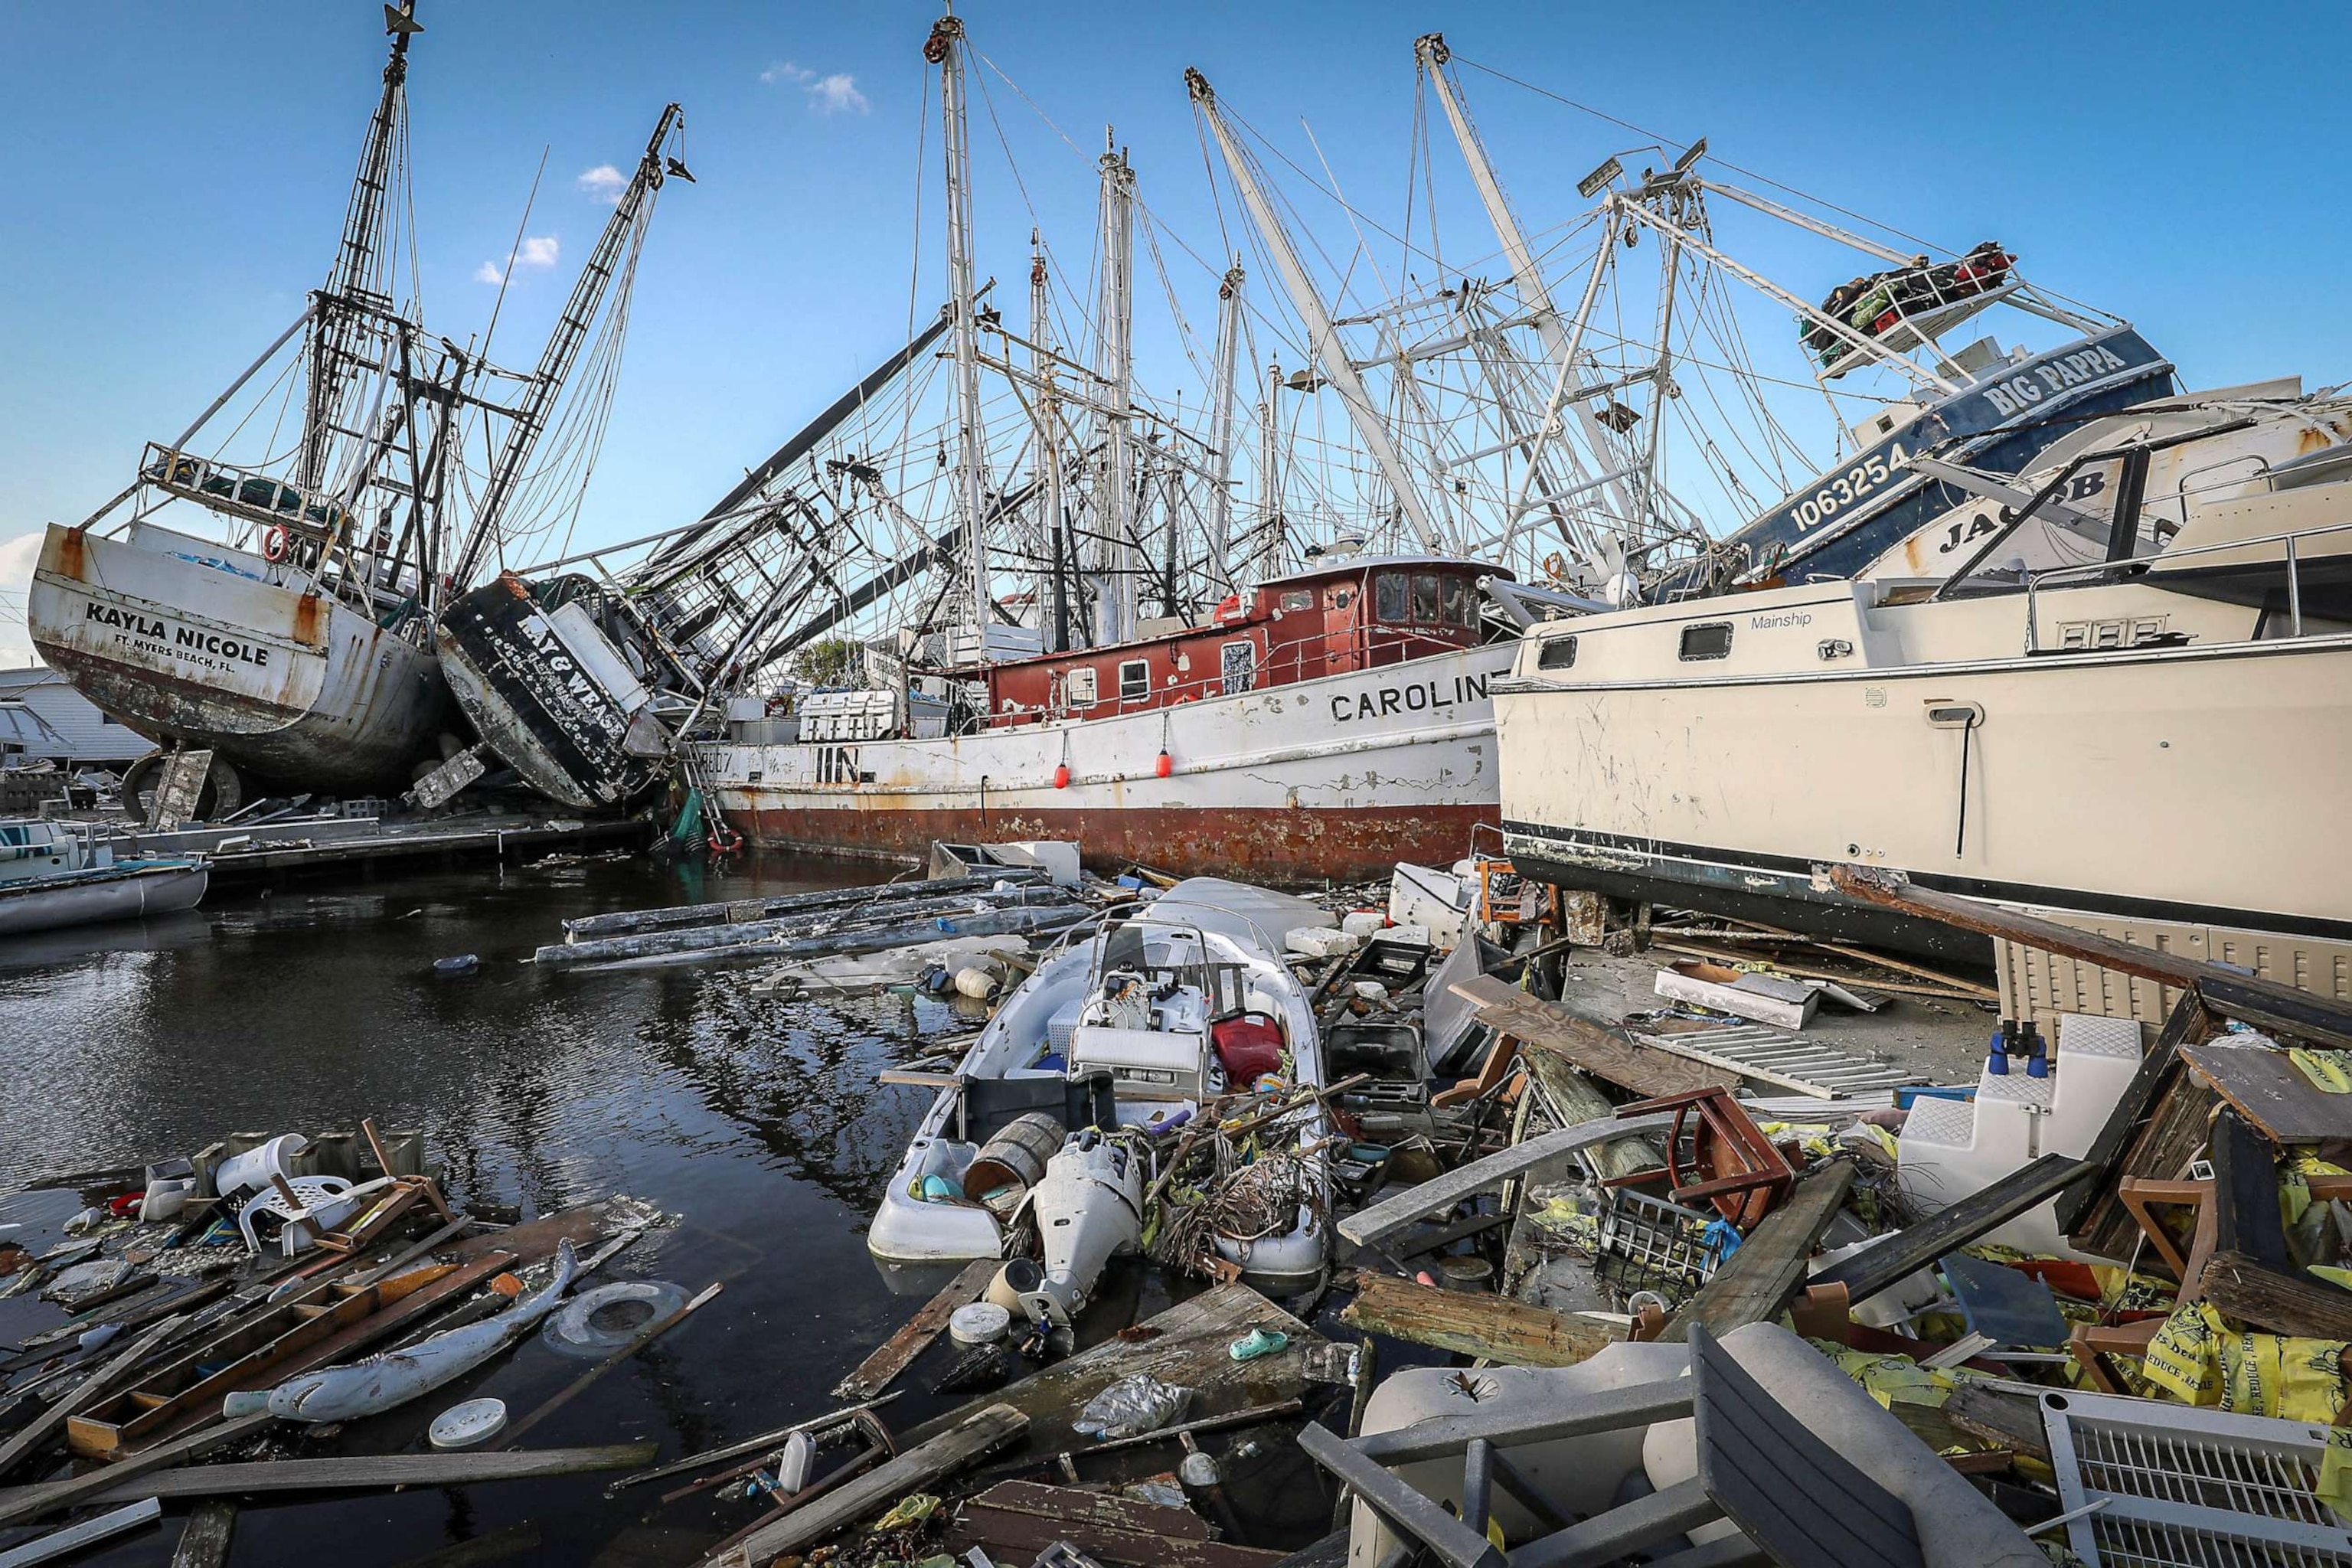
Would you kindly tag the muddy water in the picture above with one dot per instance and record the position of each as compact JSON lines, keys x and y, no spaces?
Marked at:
{"x":758,"y":1121}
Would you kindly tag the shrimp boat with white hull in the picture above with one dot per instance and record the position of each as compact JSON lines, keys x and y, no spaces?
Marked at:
{"x":2152,"y":741}
{"x":1126,"y":1034}
{"x":299,"y":647}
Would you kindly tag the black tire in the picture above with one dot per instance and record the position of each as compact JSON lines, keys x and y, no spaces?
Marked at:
{"x":139,"y":783}
{"x":223,"y":792}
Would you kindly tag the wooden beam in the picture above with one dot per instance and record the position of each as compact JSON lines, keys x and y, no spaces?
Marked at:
{"x":1540,"y":1024}
{"x":75,"y":1536}
{"x":94,"y":1387}
{"x":369,"y":1472}
{"x":2188,"y":1022}
{"x":635,"y":1343}
{"x":920,"y":1466}
{"x":31,"y":1502}
{"x":1014,"y":1522}
{"x":2270,"y":1092}
{"x":897,"y":1352}
{"x":1906,"y":1252}
{"x":2264,"y":1003}
{"x":1368,"y":1226}
{"x":2277,"y":1301}
{"x":1498,"y":1329}
{"x":205,"y":1543}
{"x":1757,"y":1281}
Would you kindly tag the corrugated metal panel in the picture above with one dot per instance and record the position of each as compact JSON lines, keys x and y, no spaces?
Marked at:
{"x":89,"y":735}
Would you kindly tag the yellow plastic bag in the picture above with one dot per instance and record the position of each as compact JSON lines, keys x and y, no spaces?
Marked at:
{"x":2329,"y":1071}
{"x":2334,"y":1488}
{"x":1891,"y":1380}
{"x":2183,"y":1360}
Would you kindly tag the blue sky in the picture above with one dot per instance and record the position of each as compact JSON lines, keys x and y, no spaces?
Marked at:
{"x":178,"y":172}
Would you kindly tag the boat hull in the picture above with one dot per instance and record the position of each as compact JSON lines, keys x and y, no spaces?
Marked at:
{"x":546,"y":704}
{"x":2192,"y":786}
{"x":1333,"y":778}
{"x":87,"y":898}
{"x":294,"y":688}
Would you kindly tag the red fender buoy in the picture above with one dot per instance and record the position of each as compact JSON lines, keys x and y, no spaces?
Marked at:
{"x":1062,"y":776}
{"x":1166,"y":766}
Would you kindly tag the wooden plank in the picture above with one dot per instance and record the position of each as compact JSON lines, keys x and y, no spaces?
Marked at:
{"x":73,"y":1539}
{"x":1013,"y":1521}
{"x":205,"y":1543}
{"x":2160,"y":1150}
{"x":1605,"y":1053}
{"x":93,"y":1388}
{"x":372,"y":1472}
{"x":1493,"y":1327}
{"x":2188,"y":1022}
{"x":897,"y":1352}
{"x":1186,"y":1348}
{"x":2277,"y":1301}
{"x":1369,"y":1226}
{"x":2271,"y":1092}
{"x":2010,"y":1421}
{"x":969,"y":1437}
{"x":1756,"y":1282}
{"x":1906,"y":1253}
{"x":1571,"y":1097}
{"x":2265,"y":1004}
{"x":31,"y":1502}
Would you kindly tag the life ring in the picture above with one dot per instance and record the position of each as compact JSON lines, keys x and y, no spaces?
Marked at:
{"x":277,"y":544}
{"x":724,"y":840}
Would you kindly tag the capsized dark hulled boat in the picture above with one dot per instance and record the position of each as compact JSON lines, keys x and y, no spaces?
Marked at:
{"x":583,"y":685}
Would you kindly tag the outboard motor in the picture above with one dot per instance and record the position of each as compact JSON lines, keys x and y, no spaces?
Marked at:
{"x":1089,"y":1208}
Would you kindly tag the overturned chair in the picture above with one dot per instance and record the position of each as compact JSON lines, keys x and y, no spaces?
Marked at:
{"x":1765,"y":1452}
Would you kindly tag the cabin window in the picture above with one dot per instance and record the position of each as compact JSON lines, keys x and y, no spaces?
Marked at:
{"x":1708,"y":639}
{"x":1300,"y":599}
{"x":1081,"y":686}
{"x":1239,"y":661}
{"x":1134,"y":680}
{"x":1560,"y":653}
{"x":1424,"y":597}
{"x":1388,"y":596}
{"x":1453,"y":602}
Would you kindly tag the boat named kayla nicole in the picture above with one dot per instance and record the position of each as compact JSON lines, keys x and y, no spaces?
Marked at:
{"x":2151,"y":737}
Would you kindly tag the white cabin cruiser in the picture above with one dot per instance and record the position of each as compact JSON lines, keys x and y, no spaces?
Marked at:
{"x":1126,"y":1033}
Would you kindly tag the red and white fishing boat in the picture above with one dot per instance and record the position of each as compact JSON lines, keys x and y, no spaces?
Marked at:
{"x":1325,"y":724}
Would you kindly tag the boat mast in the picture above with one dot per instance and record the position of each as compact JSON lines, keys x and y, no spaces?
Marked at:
{"x":1267,"y":557}
{"x":337,"y":307}
{"x":1046,"y":471}
{"x":1535,"y":294}
{"x":1221,"y":428}
{"x":944,"y":49}
{"x":1322,"y":334}
{"x":529,"y":419}
{"x":1115,"y":553}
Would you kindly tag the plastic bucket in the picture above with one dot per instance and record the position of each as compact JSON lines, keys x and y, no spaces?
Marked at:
{"x":1016,"y":1156}
{"x":251,"y":1171}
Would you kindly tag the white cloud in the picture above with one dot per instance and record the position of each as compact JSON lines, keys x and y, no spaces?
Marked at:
{"x":832,"y":94}
{"x":604,"y":183}
{"x":537,"y":253}
{"x":837,"y":94}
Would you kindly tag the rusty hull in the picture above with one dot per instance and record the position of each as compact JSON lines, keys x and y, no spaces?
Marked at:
{"x":291,"y":687}
{"x":1279,"y":846}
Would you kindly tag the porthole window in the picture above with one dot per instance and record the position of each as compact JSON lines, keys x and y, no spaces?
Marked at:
{"x":1560,"y":653}
{"x":1708,"y":639}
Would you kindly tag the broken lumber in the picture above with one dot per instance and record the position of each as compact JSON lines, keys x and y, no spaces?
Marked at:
{"x":1493,"y":1327}
{"x":2089,"y":1201}
{"x":369,"y":1472}
{"x":2270,"y":1092}
{"x":922,"y":1466}
{"x":1605,"y":1053}
{"x":94,"y":1387}
{"x":1906,"y":1252}
{"x":2265,"y":1004}
{"x":206,"y":1540}
{"x":31,"y":1502}
{"x":1756,"y":1282}
{"x":898,"y":1352}
{"x":636,"y":1342}
{"x":1014,"y":1522}
{"x":74,"y":1538}
{"x":1367,"y":1228}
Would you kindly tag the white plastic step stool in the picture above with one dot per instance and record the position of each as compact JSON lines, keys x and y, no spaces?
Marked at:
{"x":1952,"y":1148}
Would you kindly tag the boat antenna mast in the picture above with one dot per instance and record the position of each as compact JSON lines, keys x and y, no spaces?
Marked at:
{"x":353,"y":292}
{"x":529,"y":419}
{"x":1221,"y":428}
{"x":1117,"y":562}
{"x":1322,"y":332}
{"x":945,"y":49}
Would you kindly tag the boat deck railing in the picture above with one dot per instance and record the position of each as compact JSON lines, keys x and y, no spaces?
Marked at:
{"x":2289,"y":544}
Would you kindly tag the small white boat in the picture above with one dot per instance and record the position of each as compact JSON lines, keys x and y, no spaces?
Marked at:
{"x":1121,"y":1029}
{"x":52,"y":876}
